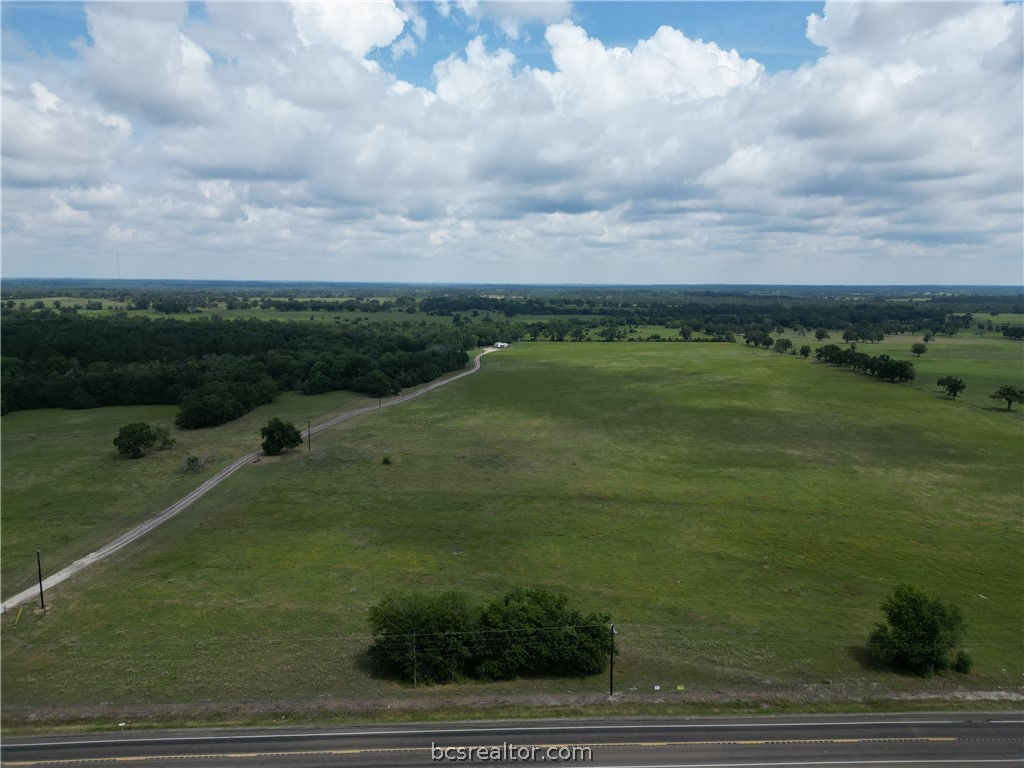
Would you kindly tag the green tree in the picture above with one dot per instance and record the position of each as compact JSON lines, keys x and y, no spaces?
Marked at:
{"x":782,"y":346}
{"x":534,"y":631}
{"x":805,"y":351}
{"x":953,"y":385}
{"x":919,"y":634}
{"x":558,"y":329}
{"x":1010,"y":394}
{"x":610,"y":333}
{"x":919,"y":348}
{"x":421,"y":638}
{"x":279,"y":436}
{"x":821,"y":334}
{"x":135,"y":439}
{"x":376,"y":384}
{"x":209,"y":405}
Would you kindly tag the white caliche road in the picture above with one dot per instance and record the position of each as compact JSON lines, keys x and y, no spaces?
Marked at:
{"x":141,"y":530}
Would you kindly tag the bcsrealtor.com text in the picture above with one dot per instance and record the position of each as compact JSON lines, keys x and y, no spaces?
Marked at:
{"x":512,"y":753}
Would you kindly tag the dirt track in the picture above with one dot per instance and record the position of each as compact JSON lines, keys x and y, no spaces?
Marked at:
{"x":142,"y":529}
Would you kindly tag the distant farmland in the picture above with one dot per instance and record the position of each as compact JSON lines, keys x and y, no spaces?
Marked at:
{"x":740,"y":514}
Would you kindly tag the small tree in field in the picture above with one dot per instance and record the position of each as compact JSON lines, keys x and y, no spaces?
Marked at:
{"x":782,"y":346}
{"x":919,"y":348}
{"x":953,"y":385}
{"x":135,"y":439}
{"x":919,"y":634}
{"x":1010,"y":394}
{"x":279,"y":436}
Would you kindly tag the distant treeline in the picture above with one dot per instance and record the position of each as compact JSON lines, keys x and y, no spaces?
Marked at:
{"x":216,"y":370}
{"x":736,"y":314}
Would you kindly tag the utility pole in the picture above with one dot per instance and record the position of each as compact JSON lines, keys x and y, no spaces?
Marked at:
{"x":39,"y":565}
{"x":611,"y":660}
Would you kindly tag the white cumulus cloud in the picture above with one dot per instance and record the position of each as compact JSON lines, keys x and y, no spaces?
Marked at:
{"x":50,"y":140}
{"x":355,"y":27}
{"x":259,"y":141}
{"x":142,"y":63}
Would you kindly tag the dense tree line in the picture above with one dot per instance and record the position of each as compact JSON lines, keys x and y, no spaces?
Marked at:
{"x":882,"y":367}
{"x":861,"y":314}
{"x":868,"y":319}
{"x":337,"y":305}
{"x":216,"y":370}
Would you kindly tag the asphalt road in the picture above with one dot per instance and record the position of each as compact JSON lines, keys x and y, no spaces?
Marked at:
{"x":961,"y":739}
{"x":122,"y":541}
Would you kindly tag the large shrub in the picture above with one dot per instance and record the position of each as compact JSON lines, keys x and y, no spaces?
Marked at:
{"x":919,"y":634}
{"x":441,"y":638}
{"x":422,"y":639}
{"x":535,"y":632}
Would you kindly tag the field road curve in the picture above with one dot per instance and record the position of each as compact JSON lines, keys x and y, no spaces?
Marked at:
{"x":186,"y":501}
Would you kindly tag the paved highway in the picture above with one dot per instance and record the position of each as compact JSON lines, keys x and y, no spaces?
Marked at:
{"x":961,"y":739}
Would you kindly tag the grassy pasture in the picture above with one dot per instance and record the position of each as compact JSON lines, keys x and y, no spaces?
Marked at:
{"x":740,"y":514}
{"x":66,"y":490}
{"x":984,"y":361}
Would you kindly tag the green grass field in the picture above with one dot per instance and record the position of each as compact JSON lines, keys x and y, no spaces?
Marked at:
{"x":984,"y":361}
{"x":66,"y":490}
{"x":740,"y":514}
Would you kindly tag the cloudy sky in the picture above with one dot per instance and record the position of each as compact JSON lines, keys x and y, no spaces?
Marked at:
{"x":550,"y":142}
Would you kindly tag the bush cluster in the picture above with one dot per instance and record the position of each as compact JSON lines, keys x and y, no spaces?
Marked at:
{"x":920,"y":634}
{"x":137,"y":438}
{"x":442,"y":638}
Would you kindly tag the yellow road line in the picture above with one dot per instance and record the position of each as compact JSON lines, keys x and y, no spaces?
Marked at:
{"x":384,"y":750}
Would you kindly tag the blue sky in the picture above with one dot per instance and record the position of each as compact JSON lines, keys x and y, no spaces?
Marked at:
{"x":467,"y":141}
{"x":773,"y":33}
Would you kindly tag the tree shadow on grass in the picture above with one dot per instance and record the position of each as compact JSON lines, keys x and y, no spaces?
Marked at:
{"x":864,"y":658}
{"x":366,"y":664}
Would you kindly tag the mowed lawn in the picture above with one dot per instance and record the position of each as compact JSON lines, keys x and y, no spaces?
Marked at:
{"x":741,"y":515}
